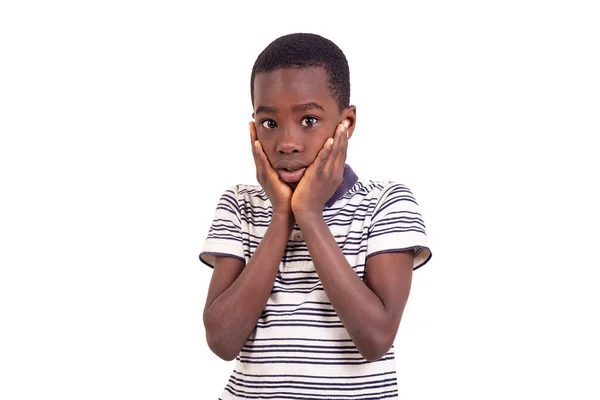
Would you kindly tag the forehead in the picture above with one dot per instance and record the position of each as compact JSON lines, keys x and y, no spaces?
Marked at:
{"x":291,"y":86}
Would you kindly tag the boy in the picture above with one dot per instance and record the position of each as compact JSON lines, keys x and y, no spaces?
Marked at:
{"x":312,"y":269}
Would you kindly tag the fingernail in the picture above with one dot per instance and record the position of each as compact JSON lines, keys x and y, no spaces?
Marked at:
{"x":330,"y":141}
{"x":346,"y":124}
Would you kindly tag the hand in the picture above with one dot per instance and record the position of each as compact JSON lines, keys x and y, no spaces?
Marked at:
{"x":323,"y":176}
{"x":277,"y":190}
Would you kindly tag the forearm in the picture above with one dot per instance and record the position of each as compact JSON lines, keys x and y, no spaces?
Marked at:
{"x":232,"y":317}
{"x":358,"y":307}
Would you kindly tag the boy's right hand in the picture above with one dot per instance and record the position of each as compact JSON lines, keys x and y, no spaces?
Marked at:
{"x":278,"y":191}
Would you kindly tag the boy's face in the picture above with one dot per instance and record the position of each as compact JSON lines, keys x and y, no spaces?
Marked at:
{"x":294,"y":116}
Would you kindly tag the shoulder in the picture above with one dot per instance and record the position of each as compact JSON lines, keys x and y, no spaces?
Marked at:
{"x":381,"y":189}
{"x":246,"y":197}
{"x":249,"y":191}
{"x":244,"y":191}
{"x":382,"y":197}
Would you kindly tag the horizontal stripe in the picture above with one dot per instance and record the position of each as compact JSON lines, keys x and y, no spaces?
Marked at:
{"x":305,"y":396}
{"x":299,"y":385}
{"x":286,"y":313}
{"x":301,"y":348}
{"x":297,"y":291}
{"x":395,"y":230}
{"x":306,"y":360}
{"x":325,"y":385}
{"x":342,"y":377}
{"x":283,"y":339}
{"x":315,"y":324}
{"x":294,"y":350}
{"x":299,"y":339}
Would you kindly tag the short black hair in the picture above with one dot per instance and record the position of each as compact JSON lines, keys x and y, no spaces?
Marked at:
{"x":304,"y":50}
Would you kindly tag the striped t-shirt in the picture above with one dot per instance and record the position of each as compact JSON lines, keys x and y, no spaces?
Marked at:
{"x":300,"y":349}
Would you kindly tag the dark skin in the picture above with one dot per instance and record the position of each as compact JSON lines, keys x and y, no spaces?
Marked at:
{"x":296,"y":119}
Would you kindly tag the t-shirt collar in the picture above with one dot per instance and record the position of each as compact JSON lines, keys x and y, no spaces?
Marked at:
{"x":349,"y":180}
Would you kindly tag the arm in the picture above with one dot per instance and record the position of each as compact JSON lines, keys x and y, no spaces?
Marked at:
{"x":371,"y":310}
{"x":237,"y":295}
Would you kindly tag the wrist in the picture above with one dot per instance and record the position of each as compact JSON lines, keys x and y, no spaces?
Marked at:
{"x":283,"y":218}
{"x":307,"y":216}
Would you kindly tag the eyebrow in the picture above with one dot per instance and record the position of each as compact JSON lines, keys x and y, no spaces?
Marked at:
{"x":296,"y":108}
{"x":307,"y":106}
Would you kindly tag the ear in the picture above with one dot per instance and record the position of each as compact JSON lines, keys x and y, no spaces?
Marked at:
{"x":349,"y":114}
{"x":253,"y":117}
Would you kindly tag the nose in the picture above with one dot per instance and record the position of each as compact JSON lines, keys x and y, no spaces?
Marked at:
{"x":290,"y":142}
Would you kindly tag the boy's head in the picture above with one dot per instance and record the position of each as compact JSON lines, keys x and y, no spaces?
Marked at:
{"x":304,"y":50}
{"x":300,"y":91}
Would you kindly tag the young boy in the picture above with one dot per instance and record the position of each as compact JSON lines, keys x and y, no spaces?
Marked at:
{"x":313,"y":268}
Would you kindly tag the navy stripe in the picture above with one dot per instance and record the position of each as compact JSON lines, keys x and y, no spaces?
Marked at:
{"x":301,"y":385}
{"x":284,"y":313}
{"x":313,"y":325}
{"x":283,"y":339}
{"x":298,"y":291}
{"x":286,"y":396}
{"x":325,"y":385}
{"x":324,"y":303}
{"x":294,"y":351}
{"x":224,"y":237}
{"x":400,"y":220}
{"x":304,"y":361}
{"x":384,"y":212}
{"x":396,"y":230}
{"x":301,"y":321}
{"x":313,"y":376}
{"x":302,"y":346}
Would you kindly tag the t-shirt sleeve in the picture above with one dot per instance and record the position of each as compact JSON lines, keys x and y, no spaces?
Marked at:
{"x":397,"y":225}
{"x":225,"y":234}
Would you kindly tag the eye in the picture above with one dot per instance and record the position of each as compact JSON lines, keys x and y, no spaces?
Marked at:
{"x":268,"y":124}
{"x":309,"y":121}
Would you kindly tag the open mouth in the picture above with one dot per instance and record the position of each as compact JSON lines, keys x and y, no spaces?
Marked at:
{"x":291,"y":175}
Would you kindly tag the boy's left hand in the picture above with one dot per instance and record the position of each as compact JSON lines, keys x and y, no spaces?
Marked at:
{"x":323,"y":176}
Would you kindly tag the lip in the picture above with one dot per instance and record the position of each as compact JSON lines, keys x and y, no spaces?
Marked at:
{"x":290,"y":164}
{"x":291,"y":177}
{"x":287,"y":176}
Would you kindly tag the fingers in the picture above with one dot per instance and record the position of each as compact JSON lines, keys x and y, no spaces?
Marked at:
{"x":252,"y":128}
{"x":329,"y":146}
{"x":253,"y":142}
{"x":263,"y":166}
{"x":257,"y":150}
{"x":342,"y":150}
{"x":256,"y":154}
{"x":262,"y":157}
{"x":336,"y":157}
{"x":323,"y":155}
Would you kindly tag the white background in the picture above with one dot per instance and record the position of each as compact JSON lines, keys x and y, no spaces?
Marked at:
{"x":122,"y":122}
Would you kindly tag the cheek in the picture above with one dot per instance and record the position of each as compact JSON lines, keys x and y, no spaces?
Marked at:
{"x":267,"y":144}
{"x":327,"y":133}
{"x":266,"y":141}
{"x":314,"y":146}
{"x":262,"y":138}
